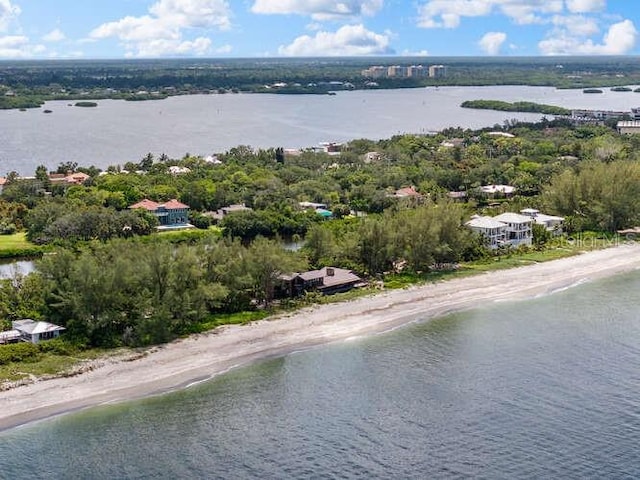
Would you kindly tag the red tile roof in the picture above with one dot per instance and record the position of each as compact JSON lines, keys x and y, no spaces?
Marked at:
{"x":146,"y":204}
{"x":78,"y":177}
{"x":174,"y":204}
{"x":152,"y":206}
{"x":407,"y":192}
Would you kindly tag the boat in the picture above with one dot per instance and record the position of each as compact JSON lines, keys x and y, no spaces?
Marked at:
{"x":592,"y":90}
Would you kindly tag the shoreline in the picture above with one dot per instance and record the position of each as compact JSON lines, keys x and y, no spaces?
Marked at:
{"x":198,"y":358}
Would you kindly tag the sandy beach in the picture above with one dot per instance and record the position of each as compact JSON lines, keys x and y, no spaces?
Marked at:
{"x":184,"y":362}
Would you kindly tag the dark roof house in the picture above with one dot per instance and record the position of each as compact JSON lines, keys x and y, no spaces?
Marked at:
{"x":327,"y":280}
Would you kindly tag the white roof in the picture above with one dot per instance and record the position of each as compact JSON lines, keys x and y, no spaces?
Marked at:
{"x":498,"y":189}
{"x":509,"y":217}
{"x":629,"y":123}
{"x":9,"y":335}
{"x":529,"y":211}
{"x":485,"y":223}
{"x":32,"y":327}
{"x":176,"y":170}
{"x":541,"y":217}
{"x":501,"y":134}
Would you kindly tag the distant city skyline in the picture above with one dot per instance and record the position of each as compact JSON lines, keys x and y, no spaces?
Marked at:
{"x":41,"y":29}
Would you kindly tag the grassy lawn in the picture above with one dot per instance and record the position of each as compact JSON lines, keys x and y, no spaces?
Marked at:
{"x":15,"y":241}
{"x":17,"y":245}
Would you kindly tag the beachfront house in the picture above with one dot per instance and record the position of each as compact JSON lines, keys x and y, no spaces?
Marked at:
{"x":28,"y":330}
{"x":170,"y":214}
{"x":507,"y":229}
{"x":551,"y":223}
{"x":492,"y":230}
{"x":519,"y":228}
{"x":327,"y":280}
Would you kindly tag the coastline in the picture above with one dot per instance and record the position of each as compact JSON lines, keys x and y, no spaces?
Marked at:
{"x":194,"y":359}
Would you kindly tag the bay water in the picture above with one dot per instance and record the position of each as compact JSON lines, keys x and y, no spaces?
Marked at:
{"x":545,"y":388}
{"x":117,"y":132}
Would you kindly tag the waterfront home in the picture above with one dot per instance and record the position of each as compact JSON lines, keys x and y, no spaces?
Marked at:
{"x":628,"y":127}
{"x":33,"y":332}
{"x":3,"y":182}
{"x":552,"y":223}
{"x":519,"y":228}
{"x":327,"y":280}
{"x":506,"y":229}
{"x":77,"y":178}
{"x":9,"y":336}
{"x":169,"y":214}
{"x":492,"y":230}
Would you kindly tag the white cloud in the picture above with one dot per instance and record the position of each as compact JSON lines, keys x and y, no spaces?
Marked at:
{"x":161,"y":47}
{"x":619,"y":39}
{"x":160,"y":33}
{"x":55,"y":35}
{"x":8,"y":12}
{"x":318,"y":9}
{"x":193,"y":13}
{"x":448,"y":13}
{"x":491,"y":42}
{"x":349,"y":40}
{"x":19,"y":46}
{"x":576,"y":25}
{"x":586,"y":6}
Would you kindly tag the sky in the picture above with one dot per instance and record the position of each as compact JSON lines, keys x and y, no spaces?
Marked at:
{"x":91,"y":29}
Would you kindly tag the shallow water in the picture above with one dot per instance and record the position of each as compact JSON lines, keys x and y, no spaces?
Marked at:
{"x":546,"y":388}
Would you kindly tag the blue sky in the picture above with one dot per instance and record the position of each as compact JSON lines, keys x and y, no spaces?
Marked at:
{"x":277,"y":28}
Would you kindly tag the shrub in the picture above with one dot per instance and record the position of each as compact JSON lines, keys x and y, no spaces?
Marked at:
{"x":57,"y":346}
{"x":18,"y":352}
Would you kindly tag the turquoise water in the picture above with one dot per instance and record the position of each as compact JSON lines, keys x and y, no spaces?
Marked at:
{"x":548,"y":388}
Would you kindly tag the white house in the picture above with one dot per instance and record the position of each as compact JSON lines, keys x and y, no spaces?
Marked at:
{"x":519,"y":228}
{"x":494,"y":231}
{"x":506,"y":229}
{"x":492,"y":190}
{"x":552,"y":223}
{"x":32,"y":331}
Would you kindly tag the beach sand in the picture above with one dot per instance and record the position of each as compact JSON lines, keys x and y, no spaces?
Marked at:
{"x":190,"y":360}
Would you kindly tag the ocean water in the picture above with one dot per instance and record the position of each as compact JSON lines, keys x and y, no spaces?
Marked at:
{"x":546,"y":388}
